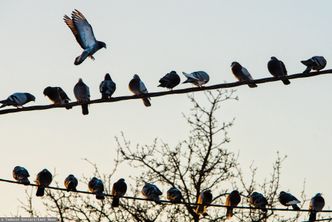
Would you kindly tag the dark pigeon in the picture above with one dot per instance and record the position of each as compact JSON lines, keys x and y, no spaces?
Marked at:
{"x":119,"y":189}
{"x":82,"y":94}
{"x":277,"y":68}
{"x":96,"y":186}
{"x":71,"y":182}
{"x":316,"y":204}
{"x":242,"y":74}
{"x":174,"y":195}
{"x":204,"y":200}
{"x":21,"y":175}
{"x":232,"y":200}
{"x":17,"y":99}
{"x":288,"y":199}
{"x":198,"y":78}
{"x":57,"y":96}
{"x":152,"y":192}
{"x":83,"y":33}
{"x":170,"y":80}
{"x":137,"y":87}
{"x":258,"y":200}
{"x":107,"y":87}
{"x":316,"y":63}
{"x":44,"y":179}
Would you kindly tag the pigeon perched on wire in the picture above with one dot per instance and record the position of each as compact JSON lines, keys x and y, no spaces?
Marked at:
{"x":277,"y":68}
{"x":107,"y":87}
{"x":152,"y":192}
{"x":203,"y":201}
{"x":44,"y":179}
{"x":288,"y":199}
{"x":232,"y":200}
{"x":242,"y":74}
{"x":314,"y":63}
{"x":174,"y":195}
{"x":137,"y":87}
{"x":119,"y":189}
{"x":82,"y":94}
{"x":83,"y":33}
{"x":57,"y":96}
{"x":17,"y":99}
{"x":21,"y":175}
{"x":316,"y":204}
{"x":71,"y":182}
{"x":198,"y":78}
{"x":258,"y":200}
{"x":170,"y":80}
{"x":96,"y":186}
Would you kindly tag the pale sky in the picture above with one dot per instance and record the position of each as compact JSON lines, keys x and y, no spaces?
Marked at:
{"x":152,"y":38}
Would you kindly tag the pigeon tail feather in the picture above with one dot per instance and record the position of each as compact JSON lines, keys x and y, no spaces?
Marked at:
{"x":295,"y":207}
{"x":286,"y":81}
{"x":115,"y":202}
{"x":229,"y":212}
{"x":312,"y":216}
{"x":40,"y":191}
{"x":85,"y":110}
{"x":252,"y":85}
{"x":146,"y":102}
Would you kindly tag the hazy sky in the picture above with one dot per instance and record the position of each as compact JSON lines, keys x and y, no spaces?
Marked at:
{"x":151,"y":38}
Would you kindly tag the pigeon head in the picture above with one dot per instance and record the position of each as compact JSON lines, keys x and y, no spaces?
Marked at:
{"x":273,"y":58}
{"x":47,"y":90}
{"x":101,"y":45}
{"x":121,"y":180}
{"x":235,"y":64}
{"x":107,"y":77}
{"x":136,"y":77}
{"x":30,"y":97}
{"x":282,"y":192}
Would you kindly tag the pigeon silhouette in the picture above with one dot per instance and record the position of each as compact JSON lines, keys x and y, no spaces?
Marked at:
{"x":57,"y":96}
{"x":232,"y":200}
{"x":71,"y":182}
{"x":119,"y":189}
{"x":21,"y":175}
{"x":203,"y":201}
{"x":170,"y":80}
{"x":198,"y":78}
{"x":96,"y":186}
{"x":152,"y":192}
{"x":107,"y":87}
{"x":288,"y":199}
{"x":82,"y":94}
{"x":17,"y":99}
{"x":316,"y":204}
{"x":137,"y":87}
{"x":44,"y":179}
{"x":277,"y":68}
{"x":242,"y":74}
{"x":83,"y":33}
{"x":174,"y":195}
{"x":259,"y":201}
{"x":314,"y":63}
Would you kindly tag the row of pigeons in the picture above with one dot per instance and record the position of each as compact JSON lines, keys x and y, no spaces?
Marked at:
{"x":152,"y":192}
{"x":107,"y":87}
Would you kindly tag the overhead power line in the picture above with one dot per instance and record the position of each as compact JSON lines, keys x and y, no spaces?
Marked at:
{"x":163,"y":201}
{"x":171,"y":92}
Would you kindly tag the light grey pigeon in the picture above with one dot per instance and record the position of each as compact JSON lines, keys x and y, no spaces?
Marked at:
{"x":17,"y":99}
{"x":258,"y":200}
{"x":204,"y":200}
{"x":232,"y":200}
{"x":119,"y":189}
{"x":198,"y":78}
{"x":316,"y":204}
{"x":170,"y":80}
{"x":242,"y":74}
{"x":137,"y":87}
{"x":107,"y":87}
{"x":44,"y":179}
{"x":314,"y":63}
{"x":71,"y":182}
{"x":152,"y":192}
{"x":96,"y":186}
{"x":174,"y":195}
{"x":21,"y":175}
{"x":277,"y":68}
{"x":82,"y":94}
{"x":57,"y":95}
{"x":288,"y":199}
{"x":83,"y":33}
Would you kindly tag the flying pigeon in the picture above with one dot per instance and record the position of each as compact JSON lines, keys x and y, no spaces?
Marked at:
{"x":82,"y":94}
{"x":288,"y":199}
{"x":21,"y":175}
{"x":316,"y":204}
{"x":242,"y":74}
{"x":138,"y":88}
{"x":170,"y":80}
{"x":71,"y":182}
{"x":174,"y":195}
{"x":198,"y":78}
{"x":83,"y":33}
{"x":107,"y":87}
{"x":57,"y":96}
{"x":151,"y":191}
{"x":17,"y":99}
{"x":258,"y":200}
{"x":232,"y":199}
{"x":119,"y":189}
{"x":204,"y":200}
{"x":314,"y":63}
{"x":44,"y":179}
{"x":277,"y":68}
{"x":96,"y":186}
